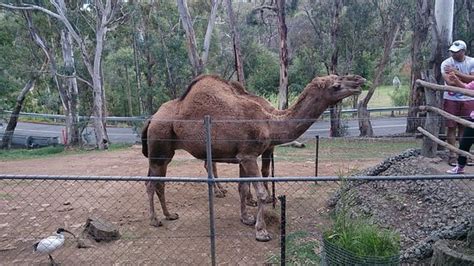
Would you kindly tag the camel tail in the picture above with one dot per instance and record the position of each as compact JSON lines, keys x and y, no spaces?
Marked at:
{"x":145,"y":138}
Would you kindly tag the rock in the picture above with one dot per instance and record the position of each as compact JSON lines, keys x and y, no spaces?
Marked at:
{"x":101,"y":230}
{"x":66,"y":209}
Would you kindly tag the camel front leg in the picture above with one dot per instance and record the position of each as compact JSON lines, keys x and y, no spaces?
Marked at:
{"x":249,"y":168}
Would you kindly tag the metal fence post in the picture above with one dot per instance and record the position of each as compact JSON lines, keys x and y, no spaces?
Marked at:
{"x":273,"y":182}
{"x":210,"y":185}
{"x":316,"y":161}
{"x":283,"y":230}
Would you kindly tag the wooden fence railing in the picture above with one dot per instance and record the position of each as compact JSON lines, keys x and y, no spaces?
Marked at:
{"x":432,"y":125}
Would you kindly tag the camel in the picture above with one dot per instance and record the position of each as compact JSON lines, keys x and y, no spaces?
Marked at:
{"x":242,"y":130}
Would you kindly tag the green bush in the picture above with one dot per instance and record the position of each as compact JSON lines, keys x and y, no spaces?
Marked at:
{"x":399,"y":96}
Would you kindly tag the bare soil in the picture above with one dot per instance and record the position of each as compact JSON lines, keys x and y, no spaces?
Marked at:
{"x":31,"y":210}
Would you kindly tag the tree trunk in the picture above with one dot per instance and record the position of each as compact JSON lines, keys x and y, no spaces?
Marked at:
{"x":429,"y":147}
{"x":10,"y":129}
{"x":190,"y":37}
{"x":150,"y":82}
{"x":239,"y":66}
{"x":336,"y":127}
{"x":102,"y":139}
{"x":444,"y":14}
{"x":129,"y":92}
{"x":137,"y":74}
{"x":335,"y":117}
{"x":207,"y":37}
{"x":72,"y":117}
{"x":421,"y":25}
{"x":283,"y":31}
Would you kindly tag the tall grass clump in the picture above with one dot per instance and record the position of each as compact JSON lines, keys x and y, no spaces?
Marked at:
{"x":363,"y":238}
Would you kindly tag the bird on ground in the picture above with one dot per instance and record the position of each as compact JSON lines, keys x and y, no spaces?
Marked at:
{"x":51,"y":243}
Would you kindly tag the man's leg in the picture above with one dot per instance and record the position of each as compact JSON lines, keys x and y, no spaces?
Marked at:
{"x":451,"y":139}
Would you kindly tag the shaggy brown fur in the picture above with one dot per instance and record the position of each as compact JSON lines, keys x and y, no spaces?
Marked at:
{"x":242,"y":130}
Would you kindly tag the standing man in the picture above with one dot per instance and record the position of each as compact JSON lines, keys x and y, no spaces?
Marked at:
{"x":456,"y":103}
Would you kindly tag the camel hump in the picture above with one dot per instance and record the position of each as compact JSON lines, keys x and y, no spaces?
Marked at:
{"x":196,"y":80}
{"x":145,"y":138}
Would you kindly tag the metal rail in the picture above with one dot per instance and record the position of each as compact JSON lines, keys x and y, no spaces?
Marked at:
{"x":205,"y":179}
{"x":142,"y":118}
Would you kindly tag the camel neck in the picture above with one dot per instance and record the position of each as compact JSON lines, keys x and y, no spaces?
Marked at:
{"x":293,"y":122}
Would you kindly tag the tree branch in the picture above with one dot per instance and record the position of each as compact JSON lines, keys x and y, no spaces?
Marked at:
{"x":31,"y":7}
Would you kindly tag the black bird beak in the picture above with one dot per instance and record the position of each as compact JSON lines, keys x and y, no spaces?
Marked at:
{"x":69,"y":233}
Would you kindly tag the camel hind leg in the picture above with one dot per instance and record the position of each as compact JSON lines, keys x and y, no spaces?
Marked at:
{"x":219,"y":190}
{"x":158,"y":167}
{"x":266,"y":161}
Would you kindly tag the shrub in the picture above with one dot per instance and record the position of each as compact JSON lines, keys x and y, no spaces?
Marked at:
{"x":399,"y":96}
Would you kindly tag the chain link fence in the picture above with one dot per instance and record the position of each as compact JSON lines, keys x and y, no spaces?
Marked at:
{"x":33,"y":207}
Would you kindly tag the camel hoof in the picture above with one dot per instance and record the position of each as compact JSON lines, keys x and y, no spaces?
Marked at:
{"x":219,"y":194}
{"x":251,"y":202}
{"x":171,"y":217}
{"x":268,"y":200}
{"x":155,"y":222}
{"x":249,"y":220}
{"x":263,"y":236}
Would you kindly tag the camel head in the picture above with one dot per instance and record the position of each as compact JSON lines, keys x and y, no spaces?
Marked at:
{"x":340,"y":87}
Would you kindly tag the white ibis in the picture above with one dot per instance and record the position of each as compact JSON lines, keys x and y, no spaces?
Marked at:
{"x":51,"y":243}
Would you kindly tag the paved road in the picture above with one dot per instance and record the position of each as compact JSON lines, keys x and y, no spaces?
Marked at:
{"x":382,"y":127}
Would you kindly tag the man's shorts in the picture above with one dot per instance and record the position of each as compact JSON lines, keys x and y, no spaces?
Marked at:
{"x":462,"y":109}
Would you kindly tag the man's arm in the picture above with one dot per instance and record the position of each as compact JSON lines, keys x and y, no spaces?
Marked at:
{"x":453,"y":80}
{"x":446,"y":69}
{"x":466,"y":78}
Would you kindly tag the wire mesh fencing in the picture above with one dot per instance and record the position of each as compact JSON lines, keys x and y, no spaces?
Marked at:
{"x":33,"y":208}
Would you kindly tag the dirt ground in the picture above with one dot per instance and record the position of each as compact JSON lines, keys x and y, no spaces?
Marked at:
{"x":31,"y":210}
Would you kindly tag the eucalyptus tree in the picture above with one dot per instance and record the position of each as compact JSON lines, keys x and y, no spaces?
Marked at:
{"x":102,"y":16}
{"x":14,"y":72}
